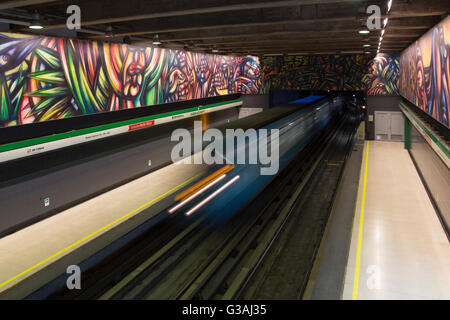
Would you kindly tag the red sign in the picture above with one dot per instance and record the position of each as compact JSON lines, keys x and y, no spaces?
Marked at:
{"x":141,"y":125}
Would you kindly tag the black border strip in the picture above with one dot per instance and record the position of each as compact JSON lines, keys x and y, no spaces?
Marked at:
{"x":45,"y":128}
{"x":430,"y":196}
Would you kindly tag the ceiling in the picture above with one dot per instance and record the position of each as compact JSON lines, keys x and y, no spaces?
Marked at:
{"x":257,"y":27}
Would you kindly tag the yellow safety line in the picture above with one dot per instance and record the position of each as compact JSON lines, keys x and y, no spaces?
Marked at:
{"x":96,"y":232}
{"x":360,"y":231}
{"x":333,"y":164}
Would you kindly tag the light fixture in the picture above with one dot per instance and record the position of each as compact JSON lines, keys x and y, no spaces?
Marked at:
{"x":367,"y":52}
{"x":156,"y":40}
{"x":385,"y":22}
{"x":36,"y":24}
{"x":389,"y":6}
{"x":109,"y":32}
{"x":364,"y":31}
{"x":366,"y":45}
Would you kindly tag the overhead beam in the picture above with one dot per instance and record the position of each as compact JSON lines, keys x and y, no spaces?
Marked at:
{"x":126,"y":11}
{"x":411,"y":24}
{"x":238,"y":25}
{"x":276,"y":42}
{"x":257,"y":32}
{"x":22,"y":3}
{"x":312,"y":46}
{"x":319,"y":39}
{"x":242,"y":19}
{"x":403,"y":9}
{"x":316,"y":51}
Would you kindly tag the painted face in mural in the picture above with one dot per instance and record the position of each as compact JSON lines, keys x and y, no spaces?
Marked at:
{"x":441,"y":76}
{"x":420,"y":94}
{"x":315,"y":72}
{"x":204,"y":64}
{"x":250,"y":76}
{"x":14,"y":106}
{"x":48,"y":78}
{"x":222,"y":74}
{"x":383,"y":75}
{"x":12,"y":53}
{"x":127,"y":69}
{"x":426,"y":72}
{"x":203,"y":69}
{"x":181,"y":77}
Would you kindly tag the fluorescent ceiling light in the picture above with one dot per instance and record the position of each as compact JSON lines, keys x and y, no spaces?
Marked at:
{"x":156,"y":40}
{"x":366,"y":45}
{"x":389,"y":6}
{"x":36,"y":24}
{"x":364,"y":31}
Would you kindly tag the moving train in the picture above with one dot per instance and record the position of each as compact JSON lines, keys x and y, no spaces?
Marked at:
{"x":35,"y":187}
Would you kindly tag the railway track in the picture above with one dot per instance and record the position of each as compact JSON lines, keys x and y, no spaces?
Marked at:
{"x":207,"y":259}
{"x":227,"y":276}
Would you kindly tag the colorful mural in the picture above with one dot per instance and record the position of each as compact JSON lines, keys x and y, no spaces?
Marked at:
{"x":46,"y":78}
{"x":425,"y":72}
{"x":383,"y":76}
{"x":332,"y":72}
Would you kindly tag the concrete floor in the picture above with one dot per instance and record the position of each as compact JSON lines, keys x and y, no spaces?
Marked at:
{"x":404,"y":252}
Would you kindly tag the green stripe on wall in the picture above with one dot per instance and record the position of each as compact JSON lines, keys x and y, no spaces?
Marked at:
{"x":428,"y":132}
{"x":75,"y":133}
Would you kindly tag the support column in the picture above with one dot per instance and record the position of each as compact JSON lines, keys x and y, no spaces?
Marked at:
{"x":407,"y":137}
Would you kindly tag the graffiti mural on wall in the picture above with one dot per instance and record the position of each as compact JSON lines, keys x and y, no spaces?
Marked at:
{"x":383,"y":76}
{"x":333,"y":72}
{"x":425,"y":72}
{"x":46,"y":78}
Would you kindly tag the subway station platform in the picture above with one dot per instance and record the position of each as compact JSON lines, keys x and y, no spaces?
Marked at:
{"x":399,"y":249}
{"x":29,"y":258}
